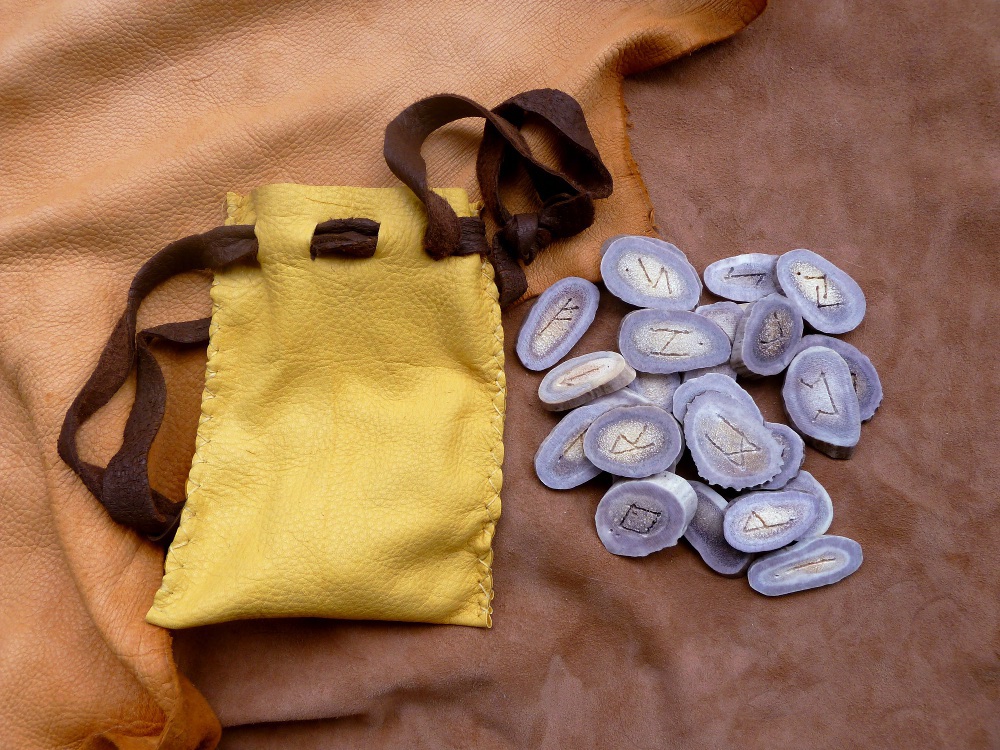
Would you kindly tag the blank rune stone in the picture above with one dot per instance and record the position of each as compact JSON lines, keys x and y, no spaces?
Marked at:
{"x":647,"y":272}
{"x":704,"y":533}
{"x":767,"y":337}
{"x":726,"y":315}
{"x":821,"y":402}
{"x":693,"y":388}
{"x":744,"y":278}
{"x":829,"y":299}
{"x":866,"y":381}
{"x":762,"y":521}
{"x":581,"y":379}
{"x":633,"y":441}
{"x":811,"y":563}
{"x":560,"y":316}
{"x":665,"y":341}
{"x":806,"y":482}
{"x":657,"y":389}
{"x":560,"y":462}
{"x":792,"y":454}
{"x":639,"y":516}
{"x":729,"y":443}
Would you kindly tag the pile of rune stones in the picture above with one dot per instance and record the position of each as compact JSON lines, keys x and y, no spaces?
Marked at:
{"x":673,"y":386}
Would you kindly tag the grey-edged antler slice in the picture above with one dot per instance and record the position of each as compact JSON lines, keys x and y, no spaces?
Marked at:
{"x":558,"y":319}
{"x":821,"y":402}
{"x":827,"y":297}
{"x":744,"y":278}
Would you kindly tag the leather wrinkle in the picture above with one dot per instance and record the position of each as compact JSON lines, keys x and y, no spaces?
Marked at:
{"x":566,"y":193}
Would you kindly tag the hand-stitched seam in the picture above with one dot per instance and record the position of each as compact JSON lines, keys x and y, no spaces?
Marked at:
{"x":174,"y":563}
{"x":495,"y":479}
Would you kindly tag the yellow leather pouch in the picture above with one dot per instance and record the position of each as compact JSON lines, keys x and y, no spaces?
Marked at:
{"x":350,"y":445}
{"x":348,"y":456}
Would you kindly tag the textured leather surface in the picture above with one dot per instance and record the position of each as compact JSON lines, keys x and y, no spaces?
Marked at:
{"x":863,"y":130}
{"x":124,"y":124}
{"x":349,"y":449}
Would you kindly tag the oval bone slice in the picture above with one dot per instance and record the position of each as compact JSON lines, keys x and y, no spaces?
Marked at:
{"x":807,"y":565}
{"x":726,"y":315}
{"x":792,"y":455}
{"x":560,"y":462}
{"x":767,"y":337}
{"x":763,"y":521}
{"x":866,"y":381}
{"x":657,"y":389}
{"x":806,"y":482}
{"x":637,"y":517}
{"x":704,"y":533}
{"x":691,"y":389}
{"x":829,"y":299}
{"x":729,"y":443}
{"x":560,"y":316}
{"x":665,"y":341}
{"x":744,"y":278}
{"x":581,"y":379}
{"x":633,"y":441}
{"x":648,"y":272}
{"x":821,"y":403}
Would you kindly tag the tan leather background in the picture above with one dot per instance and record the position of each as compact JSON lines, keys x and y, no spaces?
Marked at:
{"x":868,"y":131}
{"x":122,"y":125}
{"x":865,"y":131}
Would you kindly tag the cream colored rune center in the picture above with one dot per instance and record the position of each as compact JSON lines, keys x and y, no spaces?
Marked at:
{"x":733,"y":444}
{"x":669,"y":341}
{"x":821,"y":564}
{"x":819,"y":396}
{"x":594,"y":370}
{"x":630,"y":440}
{"x":815,"y":285}
{"x":558,"y":319}
{"x":649,"y":275}
{"x":574,"y":450}
{"x":768,"y":520}
{"x":775,"y":332}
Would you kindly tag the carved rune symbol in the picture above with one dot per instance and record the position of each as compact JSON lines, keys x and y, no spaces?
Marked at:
{"x":756,"y":522}
{"x":563,"y":315}
{"x":638,"y":519}
{"x":821,"y":299}
{"x":572,"y":447}
{"x":826,"y":386}
{"x":813,"y":566}
{"x":757,"y":277}
{"x":661,"y":276}
{"x":573,"y":378}
{"x":672,"y":333}
{"x":772,"y":331}
{"x":618,"y":449}
{"x":743,"y":448}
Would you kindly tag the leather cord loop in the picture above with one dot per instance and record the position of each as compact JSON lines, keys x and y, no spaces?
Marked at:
{"x":123,"y":486}
{"x":566,"y":194}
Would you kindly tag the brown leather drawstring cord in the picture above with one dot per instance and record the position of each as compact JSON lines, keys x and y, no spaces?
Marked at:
{"x":566,"y":196}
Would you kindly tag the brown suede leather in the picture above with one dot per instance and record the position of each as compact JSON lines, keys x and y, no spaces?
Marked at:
{"x":864,"y":130}
{"x":123,"y":124}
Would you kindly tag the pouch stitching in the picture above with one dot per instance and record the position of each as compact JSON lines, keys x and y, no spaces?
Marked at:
{"x":168,"y":588}
{"x":489,"y":524}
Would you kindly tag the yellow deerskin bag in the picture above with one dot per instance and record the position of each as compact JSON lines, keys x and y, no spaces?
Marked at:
{"x":349,"y":452}
{"x":377,"y":388}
